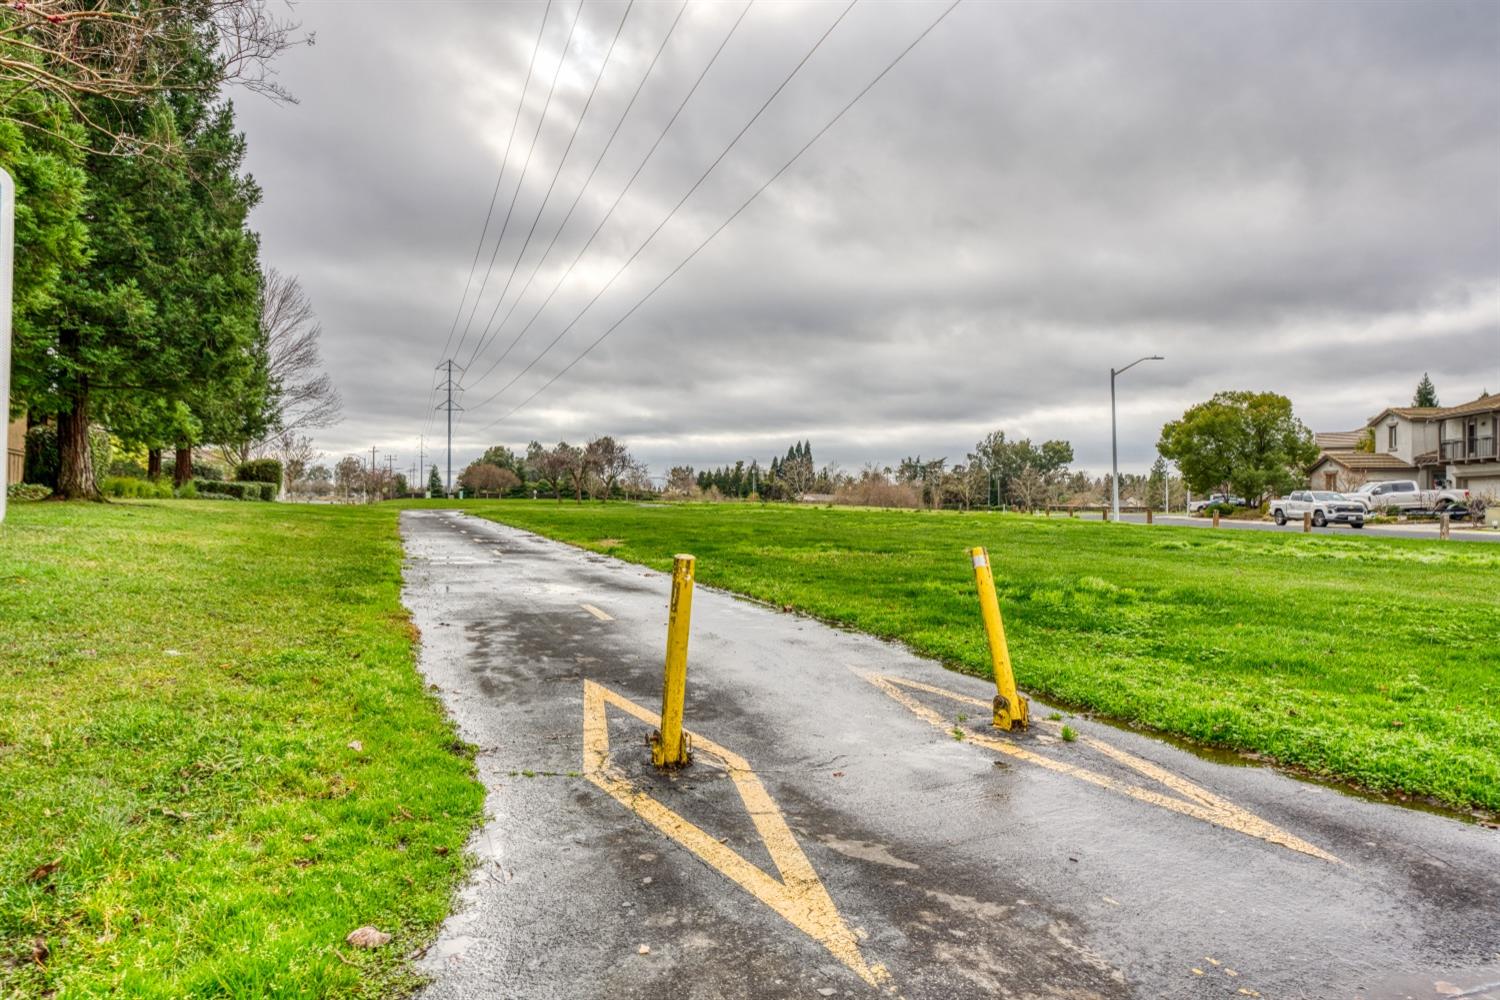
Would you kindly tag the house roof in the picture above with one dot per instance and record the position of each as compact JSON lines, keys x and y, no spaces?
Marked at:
{"x":1483,"y":404}
{"x":1339,"y":440}
{"x":1409,"y":412}
{"x":1365,"y":461}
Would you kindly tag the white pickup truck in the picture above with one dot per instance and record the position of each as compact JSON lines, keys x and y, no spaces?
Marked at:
{"x":1403,"y":494}
{"x":1325,"y":508}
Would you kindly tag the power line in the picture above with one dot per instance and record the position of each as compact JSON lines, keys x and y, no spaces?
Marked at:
{"x":680,"y":202}
{"x":725,"y":224}
{"x":536,"y":268}
{"x":525,"y":165}
{"x":499,"y":179}
{"x":568,"y":215}
{"x":562,"y":162}
{"x":607,"y":215}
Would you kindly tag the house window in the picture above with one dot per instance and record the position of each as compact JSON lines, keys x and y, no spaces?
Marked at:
{"x":1391,"y":437}
{"x":1330,"y":480}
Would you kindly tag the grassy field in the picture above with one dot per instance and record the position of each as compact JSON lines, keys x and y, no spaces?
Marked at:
{"x":183,"y":812}
{"x":1370,"y":660}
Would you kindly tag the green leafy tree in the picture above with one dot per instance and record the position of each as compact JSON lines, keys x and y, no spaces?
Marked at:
{"x":1240,"y":442}
{"x":1002,"y":461}
{"x":435,"y":482}
{"x":1426,"y":394}
{"x":165,"y":309}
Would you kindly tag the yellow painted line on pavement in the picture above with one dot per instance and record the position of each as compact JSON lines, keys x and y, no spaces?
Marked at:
{"x":1197,"y":801}
{"x":597,"y":613}
{"x":799,"y":896}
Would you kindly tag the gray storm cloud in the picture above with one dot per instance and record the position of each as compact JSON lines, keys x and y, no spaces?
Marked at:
{"x":1292,"y":197}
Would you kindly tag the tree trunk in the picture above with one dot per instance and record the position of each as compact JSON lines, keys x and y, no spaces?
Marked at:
{"x":182,"y":467}
{"x":75,"y":474}
{"x":153,"y":464}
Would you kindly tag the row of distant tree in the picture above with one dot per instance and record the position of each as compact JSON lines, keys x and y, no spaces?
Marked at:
{"x":1246,"y":443}
{"x":141,"y":306}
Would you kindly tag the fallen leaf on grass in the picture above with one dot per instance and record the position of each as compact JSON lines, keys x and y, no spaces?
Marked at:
{"x":42,"y":871}
{"x":356,"y":746}
{"x":368,"y":937}
{"x":39,"y":951}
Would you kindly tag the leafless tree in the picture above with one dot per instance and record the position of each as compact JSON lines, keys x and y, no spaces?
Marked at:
{"x":307,"y":396}
{"x":482,"y":477}
{"x":296,"y":453}
{"x":610,"y":460}
{"x":1030,"y":488}
{"x":348,"y":474}
{"x":580,"y":467}
{"x":72,"y":50}
{"x":550,"y":465}
{"x":636,"y":481}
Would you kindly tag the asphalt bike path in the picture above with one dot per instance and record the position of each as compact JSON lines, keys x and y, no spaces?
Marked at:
{"x":852,"y":826}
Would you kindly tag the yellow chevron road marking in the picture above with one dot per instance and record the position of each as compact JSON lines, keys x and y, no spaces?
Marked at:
{"x":1196,"y":801}
{"x":798,"y":897}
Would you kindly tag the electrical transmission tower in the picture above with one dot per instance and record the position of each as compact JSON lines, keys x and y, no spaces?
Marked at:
{"x":448,"y":385}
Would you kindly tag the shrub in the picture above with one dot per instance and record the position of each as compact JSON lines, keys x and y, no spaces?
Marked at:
{"x":267,"y":490}
{"x":260,"y":470}
{"x":27,"y":492}
{"x":1222,"y":508}
{"x":229,"y":491}
{"x":187,"y":491}
{"x":127,"y":486}
{"x":42,"y":460}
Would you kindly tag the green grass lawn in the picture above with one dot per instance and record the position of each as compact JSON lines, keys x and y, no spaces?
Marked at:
{"x":1370,"y":660}
{"x":181,"y":812}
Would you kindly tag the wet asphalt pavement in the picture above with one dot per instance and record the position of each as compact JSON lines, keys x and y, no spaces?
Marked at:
{"x":850,"y":827}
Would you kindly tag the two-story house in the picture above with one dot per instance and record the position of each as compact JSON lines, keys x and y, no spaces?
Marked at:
{"x":1438,"y":446}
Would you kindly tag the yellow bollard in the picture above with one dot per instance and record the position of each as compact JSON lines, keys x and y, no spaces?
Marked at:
{"x":670,"y":746}
{"x":1010,"y":706}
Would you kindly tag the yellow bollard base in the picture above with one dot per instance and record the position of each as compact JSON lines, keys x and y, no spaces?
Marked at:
{"x":1007,"y":718}
{"x":659,"y":754}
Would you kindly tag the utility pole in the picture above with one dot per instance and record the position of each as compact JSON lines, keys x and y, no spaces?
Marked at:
{"x":390,"y":474}
{"x":370,"y":479}
{"x":421,"y":457}
{"x":449,"y":405}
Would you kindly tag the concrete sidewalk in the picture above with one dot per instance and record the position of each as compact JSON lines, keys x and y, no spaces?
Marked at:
{"x":851,"y":826}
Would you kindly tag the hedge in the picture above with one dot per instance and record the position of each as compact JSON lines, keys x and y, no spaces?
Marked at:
{"x":260,"y":470}
{"x":236,"y":491}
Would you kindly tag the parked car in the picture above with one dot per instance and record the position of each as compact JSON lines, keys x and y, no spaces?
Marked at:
{"x":1404,"y":495}
{"x":1325,"y":508}
{"x":1198,"y":505}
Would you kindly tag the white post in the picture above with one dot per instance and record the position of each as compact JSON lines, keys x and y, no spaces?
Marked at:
{"x":7,"y":256}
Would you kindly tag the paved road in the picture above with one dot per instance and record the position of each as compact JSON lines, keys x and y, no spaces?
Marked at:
{"x":1413,"y":529}
{"x":850,"y":828}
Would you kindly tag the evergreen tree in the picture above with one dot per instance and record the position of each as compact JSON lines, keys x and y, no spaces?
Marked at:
{"x":166,"y":311}
{"x":435,"y":482}
{"x":1426,"y":394}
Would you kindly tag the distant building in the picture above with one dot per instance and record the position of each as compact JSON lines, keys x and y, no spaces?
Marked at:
{"x":1438,"y":446}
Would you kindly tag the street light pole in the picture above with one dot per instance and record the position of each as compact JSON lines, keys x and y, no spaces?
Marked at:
{"x":1114,"y":436}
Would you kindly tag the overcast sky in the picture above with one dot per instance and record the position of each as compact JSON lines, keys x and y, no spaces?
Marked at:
{"x":1302,"y":198}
